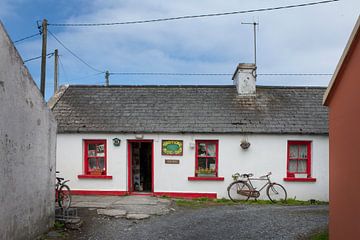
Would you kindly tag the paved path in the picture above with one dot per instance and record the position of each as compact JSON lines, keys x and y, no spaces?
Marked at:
{"x":126,"y":206}
{"x":219,"y":222}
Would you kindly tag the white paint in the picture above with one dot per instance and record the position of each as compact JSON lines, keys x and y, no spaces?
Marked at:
{"x":245,"y":80}
{"x":267,"y":153}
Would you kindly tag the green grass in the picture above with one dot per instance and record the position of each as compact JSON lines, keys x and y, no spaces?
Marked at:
{"x":206,"y":202}
{"x":320,"y":236}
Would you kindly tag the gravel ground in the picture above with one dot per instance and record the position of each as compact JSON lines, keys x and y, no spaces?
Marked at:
{"x":219,"y":222}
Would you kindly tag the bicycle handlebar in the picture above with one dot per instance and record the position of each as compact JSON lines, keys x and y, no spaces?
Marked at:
{"x":247,"y":175}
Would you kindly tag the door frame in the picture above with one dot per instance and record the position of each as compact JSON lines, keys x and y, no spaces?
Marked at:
{"x":130,"y":175}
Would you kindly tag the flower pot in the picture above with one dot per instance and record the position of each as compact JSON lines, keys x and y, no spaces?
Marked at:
{"x":206,"y":174}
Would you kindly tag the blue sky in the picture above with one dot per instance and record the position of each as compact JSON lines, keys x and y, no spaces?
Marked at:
{"x":302,"y":40}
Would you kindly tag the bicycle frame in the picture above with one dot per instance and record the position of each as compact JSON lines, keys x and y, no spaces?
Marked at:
{"x":259,"y":179}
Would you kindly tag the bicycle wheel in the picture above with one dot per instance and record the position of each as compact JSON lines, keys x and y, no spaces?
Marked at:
{"x":238,"y":191}
{"x":276,"y":192}
{"x":64,"y":197}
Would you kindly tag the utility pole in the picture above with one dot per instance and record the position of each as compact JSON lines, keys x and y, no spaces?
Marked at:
{"x":43,"y":57}
{"x":107,"y":74}
{"x":254,"y":24}
{"x":56,"y":71}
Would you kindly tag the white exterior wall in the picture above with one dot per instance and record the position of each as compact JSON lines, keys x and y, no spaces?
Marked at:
{"x":267,"y":153}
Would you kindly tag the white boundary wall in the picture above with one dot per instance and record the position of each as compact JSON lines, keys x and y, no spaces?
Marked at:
{"x":266,"y":153}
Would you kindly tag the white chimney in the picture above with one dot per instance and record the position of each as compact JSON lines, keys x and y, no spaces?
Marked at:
{"x":245,"y":79}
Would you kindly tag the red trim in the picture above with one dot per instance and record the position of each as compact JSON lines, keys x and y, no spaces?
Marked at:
{"x":130,"y":189}
{"x":197,"y":142}
{"x":290,"y":179}
{"x":157,"y":194}
{"x":98,"y":192}
{"x":94,"y":176}
{"x":185,"y":195}
{"x":308,"y":164}
{"x":206,"y":178}
{"x":86,"y":163}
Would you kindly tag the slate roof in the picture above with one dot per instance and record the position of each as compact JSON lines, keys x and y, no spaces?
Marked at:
{"x":191,"y":109}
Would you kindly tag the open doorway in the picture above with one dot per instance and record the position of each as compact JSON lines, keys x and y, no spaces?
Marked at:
{"x":140,"y":165}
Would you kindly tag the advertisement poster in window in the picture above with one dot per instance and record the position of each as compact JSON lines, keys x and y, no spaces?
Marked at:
{"x":172,"y":147}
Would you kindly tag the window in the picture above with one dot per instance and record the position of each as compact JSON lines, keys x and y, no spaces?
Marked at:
{"x":95,"y":157}
{"x":299,"y":159}
{"x":206,"y":158}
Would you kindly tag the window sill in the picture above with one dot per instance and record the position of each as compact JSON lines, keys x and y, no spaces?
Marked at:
{"x":95,"y":176}
{"x":206,"y":178}
{"x":291,"y":179}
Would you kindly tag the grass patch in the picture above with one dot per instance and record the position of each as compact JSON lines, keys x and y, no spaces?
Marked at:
{"x":320,"y":236}
{"x":206,"y":202}
{"x":59,"y":225}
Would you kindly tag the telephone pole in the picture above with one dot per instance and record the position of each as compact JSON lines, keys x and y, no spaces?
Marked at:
{"x":43,"y":57}
{"x":56,"y":71}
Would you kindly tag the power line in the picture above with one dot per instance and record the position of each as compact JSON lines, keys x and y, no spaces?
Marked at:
{"x":28,"y":37}
{"x":169,"y":74}
{"x":295,"y":74}
{"x":62,"y":67}
{"x":189,"y":16}
{"x":75,"y":55}
{"x":34,"y":58}
{"x":214,"y":74}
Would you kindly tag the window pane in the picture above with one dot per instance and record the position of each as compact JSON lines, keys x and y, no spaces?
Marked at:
{"x":92,"y":163}
{"x":101,"y":163}
{"x":211,"y":150}
{"x":302,"y":166}
{"x":91,"y":150}
{"x":202,"y":163}
{"x":293,"y":151}
{"x":100,"y":148}
{"x":211,"y":163}
{"x":292,"y":166}
{"x":202,"y":149}
{"x":303,"y":151}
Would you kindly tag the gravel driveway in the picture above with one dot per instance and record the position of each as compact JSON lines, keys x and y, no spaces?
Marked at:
{"x":218,"y":222}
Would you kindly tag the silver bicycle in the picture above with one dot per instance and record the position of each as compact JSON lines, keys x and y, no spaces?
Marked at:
{"x":242,"y":188}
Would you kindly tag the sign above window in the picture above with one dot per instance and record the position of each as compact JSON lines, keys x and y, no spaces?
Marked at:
{"x":172,"y":147}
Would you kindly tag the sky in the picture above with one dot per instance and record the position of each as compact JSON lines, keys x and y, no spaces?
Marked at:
{"x":299,"y":40}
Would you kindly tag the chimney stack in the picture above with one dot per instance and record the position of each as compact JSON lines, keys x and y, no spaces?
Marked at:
{"x":245,"y":79}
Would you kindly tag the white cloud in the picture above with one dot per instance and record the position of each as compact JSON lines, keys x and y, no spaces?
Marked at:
{"x":308,"y":39}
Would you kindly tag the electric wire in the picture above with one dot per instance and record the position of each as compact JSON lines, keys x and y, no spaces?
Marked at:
{"x":34,"y":58}
{"x":63,"y":68}
{"x":189,"y":16}
{"x":28,"y":37}
{"x":214,"y":74}
{"x":75,"y":55}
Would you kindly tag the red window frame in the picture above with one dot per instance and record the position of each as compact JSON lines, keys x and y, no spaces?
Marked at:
{"x":86,"y":156}
{"x":197,"y":142}
{"x":308,"y":159}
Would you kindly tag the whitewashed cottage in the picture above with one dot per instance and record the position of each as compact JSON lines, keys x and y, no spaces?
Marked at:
{"x":187,"y":141}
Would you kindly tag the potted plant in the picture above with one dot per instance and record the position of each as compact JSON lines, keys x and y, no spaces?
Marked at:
{"x":96,"y":171}
{"x":205,"y":172}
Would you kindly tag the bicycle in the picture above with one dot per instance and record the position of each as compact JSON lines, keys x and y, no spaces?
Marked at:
{"x":243,"y":189}
{"x":62,"y":193}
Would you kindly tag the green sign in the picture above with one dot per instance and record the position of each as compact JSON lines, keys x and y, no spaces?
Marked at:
{"x":172,"y":147}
